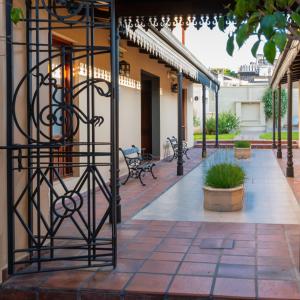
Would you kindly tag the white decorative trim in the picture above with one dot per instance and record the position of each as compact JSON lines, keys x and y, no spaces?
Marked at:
{"x":106,"y":75}
{"x":150,"y":42}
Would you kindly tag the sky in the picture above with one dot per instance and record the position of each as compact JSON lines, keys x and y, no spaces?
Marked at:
{"x":209,"y":46}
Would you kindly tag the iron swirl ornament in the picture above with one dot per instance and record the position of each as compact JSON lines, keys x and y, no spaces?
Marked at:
{"x":66,"y":115}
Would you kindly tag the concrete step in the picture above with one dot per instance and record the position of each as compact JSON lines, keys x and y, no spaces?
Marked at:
{"x":254,"y":144}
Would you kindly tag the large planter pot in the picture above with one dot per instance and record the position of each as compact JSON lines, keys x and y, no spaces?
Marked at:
{"x":242,"y":153}
{"x":222,"y":200}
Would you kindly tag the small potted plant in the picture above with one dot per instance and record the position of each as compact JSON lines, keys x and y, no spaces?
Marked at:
{"x":242,"y":149}
{"x":224,"y":188}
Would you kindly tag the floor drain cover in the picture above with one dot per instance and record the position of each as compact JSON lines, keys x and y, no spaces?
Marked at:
{"x":217,"y":244}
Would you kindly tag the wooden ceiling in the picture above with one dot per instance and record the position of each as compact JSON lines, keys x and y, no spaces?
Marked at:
{"x":295,"y":70}
{"x":170,"y":7}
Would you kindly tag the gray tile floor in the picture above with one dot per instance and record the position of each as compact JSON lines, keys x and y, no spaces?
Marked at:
{"x":268,"y":197}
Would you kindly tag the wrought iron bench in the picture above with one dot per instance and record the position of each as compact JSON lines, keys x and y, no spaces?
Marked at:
{"x":138,"y":164}
{"x":174,"y":144}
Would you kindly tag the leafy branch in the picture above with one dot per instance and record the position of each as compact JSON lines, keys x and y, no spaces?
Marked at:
{"x":16,"y":15}
{"x":271,"y":22}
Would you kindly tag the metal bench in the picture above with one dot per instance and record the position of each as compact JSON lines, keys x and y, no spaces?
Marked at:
{"x":138,"y":164}
{"x":174,"y":144}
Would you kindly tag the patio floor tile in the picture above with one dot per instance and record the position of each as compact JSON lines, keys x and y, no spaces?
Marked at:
{"x":149,"y":283}
{"x":156,"y":266}
{"x":239,"y":260}
{"x":233,"y":288}
{"x":276,"y":272}
{"x":107,"y":282}
{"x":128,"y":265}
{"x":198,"y":257}
{"x":236,"y":271}
{"x":67,"y":280}
{"x":190,"y":286}
{"x":167,"y":256}
{"x":191,"y":268}
{"x":277,"y":289}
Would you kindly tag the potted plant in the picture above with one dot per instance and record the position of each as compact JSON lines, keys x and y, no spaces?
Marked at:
{"x":224,"y":188}
{"x":242,"y":149}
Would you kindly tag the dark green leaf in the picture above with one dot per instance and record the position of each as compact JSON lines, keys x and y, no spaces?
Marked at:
{"x":230,"y":45}
{"x":241,"y":8}
{"x":254,"y":18}
{"x":280,"y":19}
{"x":16,"y":14}
{"x":267,"y":24}
{"x":221,"y":23}
{"x":255,"y":48}
{"x":270,"y":51}
{"x":269,"y":5}
{"x":296,"y":18}
{"x":282,"y":3}
{"x":242,"y":35}
{"x":280,"y":40}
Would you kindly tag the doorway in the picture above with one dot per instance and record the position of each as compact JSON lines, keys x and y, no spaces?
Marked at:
{"x":150,"y":114}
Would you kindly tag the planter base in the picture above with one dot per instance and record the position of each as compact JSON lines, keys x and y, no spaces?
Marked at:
{"x":242,"y":153}
{"x":223,"y":200}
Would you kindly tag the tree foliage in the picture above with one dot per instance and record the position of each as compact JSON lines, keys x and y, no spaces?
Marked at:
{"x":272,"y":22}
{"x":268,"y":103}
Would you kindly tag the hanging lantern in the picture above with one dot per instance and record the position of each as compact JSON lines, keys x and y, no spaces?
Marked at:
{"x":124,"y":68}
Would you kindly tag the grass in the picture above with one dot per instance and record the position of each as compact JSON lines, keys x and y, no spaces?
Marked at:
{"x":212,"y":137}
{"x":269,"y":136}
{"x":224,"y":176}
{"x":242,"y":144}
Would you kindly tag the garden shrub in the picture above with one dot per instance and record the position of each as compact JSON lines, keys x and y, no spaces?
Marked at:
{"x":225,"y":175}
{"x":242,"y":144}
{"x":228,"y":123}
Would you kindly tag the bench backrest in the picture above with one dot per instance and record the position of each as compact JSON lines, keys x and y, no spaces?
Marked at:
{"x":173,"y":141}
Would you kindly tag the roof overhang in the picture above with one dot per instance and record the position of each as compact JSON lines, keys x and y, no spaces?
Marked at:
{"x":289,"y":58}
{"x":135,"y":8}
{"x":164,"y":46}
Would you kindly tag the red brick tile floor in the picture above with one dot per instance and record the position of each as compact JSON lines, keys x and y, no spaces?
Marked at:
{"x":164,"y":259}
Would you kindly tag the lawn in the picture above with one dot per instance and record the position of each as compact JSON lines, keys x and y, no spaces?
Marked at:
{"x":269,"y":136}
{"x":212,"y":137}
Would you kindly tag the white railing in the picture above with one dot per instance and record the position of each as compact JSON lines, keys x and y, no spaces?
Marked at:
{"x":106,"y":75}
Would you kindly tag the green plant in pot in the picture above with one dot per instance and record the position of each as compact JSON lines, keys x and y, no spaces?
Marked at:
{"x":242,"y":149}
{"x":224,"y":188}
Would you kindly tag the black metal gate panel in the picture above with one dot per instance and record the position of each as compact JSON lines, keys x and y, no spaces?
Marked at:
{"x":51,"y":135}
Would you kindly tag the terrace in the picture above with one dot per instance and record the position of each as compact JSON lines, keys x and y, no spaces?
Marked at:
{"x":73,"y":231}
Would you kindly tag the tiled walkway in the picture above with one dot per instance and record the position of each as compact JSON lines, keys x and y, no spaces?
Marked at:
{"x":179,"y":260}
{"x":268,"y":196}
{"x":160,"y":258}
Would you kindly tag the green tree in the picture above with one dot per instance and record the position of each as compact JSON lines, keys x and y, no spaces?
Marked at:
{"x":268,"y":103}
{"x":271,"y":22}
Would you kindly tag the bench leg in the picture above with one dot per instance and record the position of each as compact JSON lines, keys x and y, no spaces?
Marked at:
{"x":126,"y":179}
{"x":140,"y":177}
{"x":185,"y":153}
{"x":151,"y":170}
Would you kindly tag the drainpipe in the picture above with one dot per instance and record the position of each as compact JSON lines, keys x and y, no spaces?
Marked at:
{"x":180,"y":136}
{"x":203,"y":121}
{"x":290,"y":165}
{"x":274,"y":119}
{"x":217,"y":118}
{"x":279,"y":152}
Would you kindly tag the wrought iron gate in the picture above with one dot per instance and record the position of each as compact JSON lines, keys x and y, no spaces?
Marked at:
{"x":52,"y":125}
